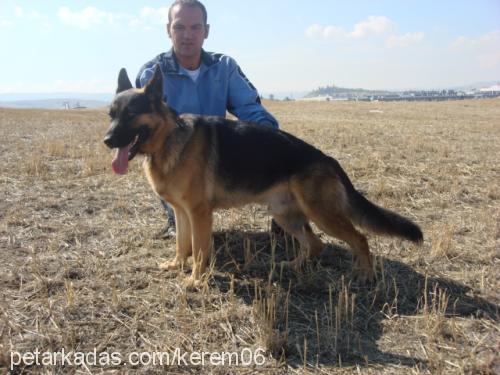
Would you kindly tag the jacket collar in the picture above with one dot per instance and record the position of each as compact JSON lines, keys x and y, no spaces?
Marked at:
{"x":172,"y":66}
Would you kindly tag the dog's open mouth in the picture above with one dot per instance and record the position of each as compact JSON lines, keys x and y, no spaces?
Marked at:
{"x":123,"y":155}
{"x":127,"y":153}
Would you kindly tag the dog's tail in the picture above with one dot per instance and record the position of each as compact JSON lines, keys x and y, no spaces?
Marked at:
{"x":379,"y":220}
{"x":376,"y":219}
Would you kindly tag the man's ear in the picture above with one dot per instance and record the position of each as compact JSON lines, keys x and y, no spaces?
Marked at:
{"x":207,"y":30}
{"x":168,"y":31}
{"x":123,"y":81}
{"x":154,"y":88}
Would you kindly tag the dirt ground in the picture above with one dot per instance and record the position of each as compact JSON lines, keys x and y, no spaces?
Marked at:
{"x":79,"y":256}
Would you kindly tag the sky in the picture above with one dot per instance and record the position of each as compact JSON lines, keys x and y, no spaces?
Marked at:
{"x":55,"y":46}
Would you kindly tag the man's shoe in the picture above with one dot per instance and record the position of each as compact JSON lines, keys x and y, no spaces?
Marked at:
{"x":167,"y":232}
{"x":276,"y":229}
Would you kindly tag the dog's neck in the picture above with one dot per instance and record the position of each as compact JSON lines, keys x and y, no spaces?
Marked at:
{"x":169,"y":140}
{"x":165,"y":123}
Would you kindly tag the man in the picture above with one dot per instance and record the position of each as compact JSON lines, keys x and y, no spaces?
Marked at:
{"x":200,"y":82}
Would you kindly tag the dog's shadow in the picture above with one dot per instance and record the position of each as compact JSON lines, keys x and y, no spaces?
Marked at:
{"x":319,"y":315}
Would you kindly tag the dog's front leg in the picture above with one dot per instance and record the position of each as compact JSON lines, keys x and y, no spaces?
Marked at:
{"x":201,"y":234}
{"x":183,"y":247}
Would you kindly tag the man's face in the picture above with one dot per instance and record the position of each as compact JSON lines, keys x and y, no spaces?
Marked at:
{"x":187,"y":30}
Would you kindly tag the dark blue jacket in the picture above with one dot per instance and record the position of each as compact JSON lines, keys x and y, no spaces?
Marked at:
{"x":221,"y":86}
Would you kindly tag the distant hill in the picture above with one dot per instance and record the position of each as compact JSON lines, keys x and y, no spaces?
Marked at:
{"x":335,"y":91}
{"x":54,"y":100}
{"x":54,"y":103}
{"x":343,"y":92}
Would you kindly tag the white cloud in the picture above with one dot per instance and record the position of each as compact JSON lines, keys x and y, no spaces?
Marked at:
{"x":31,"y":15}
{"x":372,"y":26}
{"x":87,"y":17}
{"x":333,"y":32}
{"x":485,"y":49}
{"x":18,"y":12}
{"x":158,"y":16}
{"x":460,"y":42}
{"x":405,"y":40}
{"x":315,"y":31}
{"x":150,"y":16}
{"x":5,"y":23}
{"x":491,"y":38}
{"x":92,"y":16}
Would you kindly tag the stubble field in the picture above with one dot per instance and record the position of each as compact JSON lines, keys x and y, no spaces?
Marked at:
{"x":79,"y":256}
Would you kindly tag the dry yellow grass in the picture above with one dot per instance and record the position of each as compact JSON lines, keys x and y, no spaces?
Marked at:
{"x":79,"y":257}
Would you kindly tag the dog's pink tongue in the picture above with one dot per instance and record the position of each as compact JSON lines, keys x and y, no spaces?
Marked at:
{"x":120,"y":161}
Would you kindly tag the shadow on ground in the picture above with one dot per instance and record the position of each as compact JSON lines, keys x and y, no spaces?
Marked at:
{"x":320,"y":315}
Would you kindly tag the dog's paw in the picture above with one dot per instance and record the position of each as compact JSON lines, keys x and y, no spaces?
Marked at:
{"x":364,"y":271}
{"x":191,"y":283}
{"x":171,"y":265}
{"x":365,"y":276}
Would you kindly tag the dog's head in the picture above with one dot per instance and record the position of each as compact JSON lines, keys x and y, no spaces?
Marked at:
{"x":135,"y":117}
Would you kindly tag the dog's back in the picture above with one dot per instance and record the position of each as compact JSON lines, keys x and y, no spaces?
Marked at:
{"x":253,"y":157}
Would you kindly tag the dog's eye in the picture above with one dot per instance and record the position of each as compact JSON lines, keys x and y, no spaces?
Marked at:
{"x":127,"y":114}
{"x":112,"y":113}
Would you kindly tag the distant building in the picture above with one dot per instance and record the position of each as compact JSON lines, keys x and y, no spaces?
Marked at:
{"x":492,"y":89}
{"x":78,"y":106}
{"x":320,"y":98}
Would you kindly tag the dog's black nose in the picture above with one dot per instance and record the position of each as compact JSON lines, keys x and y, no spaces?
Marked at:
{"x":108,"y":140}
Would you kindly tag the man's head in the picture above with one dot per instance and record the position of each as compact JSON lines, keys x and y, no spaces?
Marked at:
{"x":187,"y":27}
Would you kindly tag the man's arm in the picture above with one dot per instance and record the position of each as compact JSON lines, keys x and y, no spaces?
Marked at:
{"x":244,"y":101}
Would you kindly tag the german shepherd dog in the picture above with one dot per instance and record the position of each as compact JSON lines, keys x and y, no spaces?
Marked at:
{"x":201,"y":163}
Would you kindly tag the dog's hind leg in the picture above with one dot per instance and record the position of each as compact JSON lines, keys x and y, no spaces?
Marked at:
{"x":295,"y":223}
{"x":323,"y":200}
{"x":183,"y":241}
{"x":343,"y":229}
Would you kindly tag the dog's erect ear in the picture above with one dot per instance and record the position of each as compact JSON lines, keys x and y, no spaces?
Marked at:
{"x":154,"y":88}
{"x":123,"y":81}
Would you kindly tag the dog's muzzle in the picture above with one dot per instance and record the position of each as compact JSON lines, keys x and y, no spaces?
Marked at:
{"x":109,"y":141}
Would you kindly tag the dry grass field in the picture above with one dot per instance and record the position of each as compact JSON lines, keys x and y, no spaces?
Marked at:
{"x":79,"y":257}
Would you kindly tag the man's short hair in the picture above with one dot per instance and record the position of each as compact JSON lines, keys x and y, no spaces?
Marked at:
{"x":189,"y":3}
